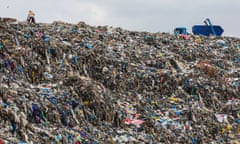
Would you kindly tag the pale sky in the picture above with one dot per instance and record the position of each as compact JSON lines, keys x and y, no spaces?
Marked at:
{"x":135,"y":15}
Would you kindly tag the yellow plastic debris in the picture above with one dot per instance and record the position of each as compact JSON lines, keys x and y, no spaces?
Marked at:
{"x":229,"y":127}
{"x":198,"y":40}
{"x":223,"y":130}
{"x":86,"y":103}
{"x":5,"y":41}
{"x":173,"y":99}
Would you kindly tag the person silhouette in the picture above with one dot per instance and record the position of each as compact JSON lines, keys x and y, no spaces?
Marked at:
{"x":31,"y":18}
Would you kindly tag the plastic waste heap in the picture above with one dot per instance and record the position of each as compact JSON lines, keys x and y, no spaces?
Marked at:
{"x":76,"y":83}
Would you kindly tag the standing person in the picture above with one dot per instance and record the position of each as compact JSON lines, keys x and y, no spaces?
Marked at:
{"x":31,"y":18}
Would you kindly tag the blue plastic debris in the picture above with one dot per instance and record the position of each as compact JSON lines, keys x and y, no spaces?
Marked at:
{"x":186,"y":83}
{"x":27,"y":36}
{"x":236,"y":59}
{"x":89,"y":46}
{"x":8,"y":64}
{"x":35,"y":107}
{"x":193,"y":140}
{"x":52,"y":51}
{"x":53,"y":100}
{"x":70,"y":137}
{"x":14,"y":126}
{"x":1,"y":46}
{"x":20,"y":69}
{"x":5,"y":105}
{"x":59,"y":137}
{"x":45,"y":38}
{"x":74,"y":59}
{"x":83,"y":134}
{"x":237,"y":120}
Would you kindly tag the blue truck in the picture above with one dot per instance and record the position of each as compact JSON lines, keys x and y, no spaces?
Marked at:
{"x":206,"y":30}
{"x":180,"y":30}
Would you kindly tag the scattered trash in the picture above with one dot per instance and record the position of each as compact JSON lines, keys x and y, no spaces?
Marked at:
{"x":65,"y":83}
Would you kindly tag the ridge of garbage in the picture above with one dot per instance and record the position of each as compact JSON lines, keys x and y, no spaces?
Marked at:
{"x":69,"y":83}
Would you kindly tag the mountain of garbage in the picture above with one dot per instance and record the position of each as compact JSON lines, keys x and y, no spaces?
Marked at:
{"x":81,"y":84}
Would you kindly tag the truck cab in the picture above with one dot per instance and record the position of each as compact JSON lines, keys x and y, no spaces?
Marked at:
{"x":180,"y":30}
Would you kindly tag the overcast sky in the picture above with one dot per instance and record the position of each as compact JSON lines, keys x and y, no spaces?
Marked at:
{"x":137,"y":15}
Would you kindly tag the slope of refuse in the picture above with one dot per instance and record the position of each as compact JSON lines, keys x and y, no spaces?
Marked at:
{"x":76,"y":83}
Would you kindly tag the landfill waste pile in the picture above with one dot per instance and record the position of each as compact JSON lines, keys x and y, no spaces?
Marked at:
{"x":81,"y":84}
